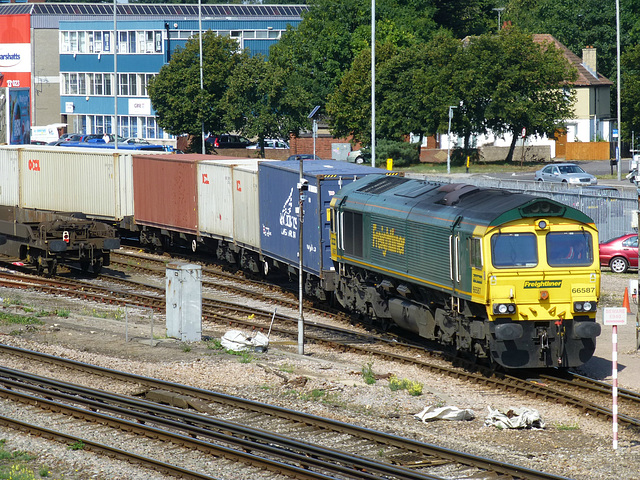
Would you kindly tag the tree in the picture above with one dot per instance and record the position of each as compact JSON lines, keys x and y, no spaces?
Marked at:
{"x":523,"y":84}
{"x":258,"y":104}
{"x":412,"y":91}
{"x":175,"y":93}
{"x":630,"y":94}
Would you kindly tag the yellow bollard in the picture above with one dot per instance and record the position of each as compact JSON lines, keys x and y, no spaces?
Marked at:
{"x":467,"y":163}
{"x":389,"y":163}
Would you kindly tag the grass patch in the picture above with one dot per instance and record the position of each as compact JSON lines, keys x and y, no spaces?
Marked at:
{"x":564,"y":427}
{"x":481,"y":167}
{"x":215,"y":344}
{"x":186,"y":347}
{"x":287,"y":368}
{"x":14,"y":319}
{"x":63,"y":312}
{"x":19,"y":465}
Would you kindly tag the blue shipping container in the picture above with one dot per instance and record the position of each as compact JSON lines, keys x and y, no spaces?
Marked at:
{"x":279,"y":206}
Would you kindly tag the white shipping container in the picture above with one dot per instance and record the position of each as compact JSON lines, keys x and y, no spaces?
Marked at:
{"x":9,"y":177}
{"x":246,"y":201}
{"x":95,"y":182}
{"x":217,"y":188}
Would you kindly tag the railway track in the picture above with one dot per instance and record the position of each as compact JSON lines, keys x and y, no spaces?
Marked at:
{"x":589,"y":397}
{"x":288,"y":443}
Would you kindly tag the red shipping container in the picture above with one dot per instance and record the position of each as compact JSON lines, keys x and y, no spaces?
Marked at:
{"x":164,"y":191}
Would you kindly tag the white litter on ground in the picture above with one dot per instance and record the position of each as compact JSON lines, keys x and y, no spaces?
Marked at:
{"x":514,"y":418}
{"x":238,"y":341}
{"x":431,"y":413}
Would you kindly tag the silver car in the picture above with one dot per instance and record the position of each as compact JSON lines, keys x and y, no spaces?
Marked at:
{"x":565,"y":173}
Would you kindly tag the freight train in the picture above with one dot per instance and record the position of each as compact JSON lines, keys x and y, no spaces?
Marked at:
{"x":507,"y":278}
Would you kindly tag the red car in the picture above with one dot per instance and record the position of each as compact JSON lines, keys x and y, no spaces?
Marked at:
{"x":620,"y":253}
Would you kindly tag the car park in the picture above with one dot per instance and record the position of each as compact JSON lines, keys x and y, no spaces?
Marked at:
{"x":620,"y":253}
{"x":135,"y":141}
{"x":271,"y":144}
{"x":569,"y":173}
{"x":228,"y":141}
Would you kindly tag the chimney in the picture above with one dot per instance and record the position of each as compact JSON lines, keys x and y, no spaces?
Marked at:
{"x":589,"y":60}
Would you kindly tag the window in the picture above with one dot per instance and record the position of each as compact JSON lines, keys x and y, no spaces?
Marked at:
{"x":352,"y":236}
{"x":475,"y":252}
{"x":82,"y":84}
{"x":569,"y":249}
{"x":509,"y":250}
{"x":145,"y":78}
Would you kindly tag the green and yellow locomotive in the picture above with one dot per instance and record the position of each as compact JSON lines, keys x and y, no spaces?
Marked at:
{"x":507,"y":277}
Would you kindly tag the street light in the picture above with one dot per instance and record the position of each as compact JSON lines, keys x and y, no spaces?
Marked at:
{"x":618,"y":68}
{"x":451,"y":107}
{"x":499,"y":10}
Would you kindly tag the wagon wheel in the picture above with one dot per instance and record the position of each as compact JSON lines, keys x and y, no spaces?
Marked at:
{"x":40,"y":263}
{"x":52,"y":267}
{"x":84,"y":265}
{"x":97,"y":266}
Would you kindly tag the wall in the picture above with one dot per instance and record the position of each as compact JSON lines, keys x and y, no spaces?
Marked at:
{"x":587,"y":151}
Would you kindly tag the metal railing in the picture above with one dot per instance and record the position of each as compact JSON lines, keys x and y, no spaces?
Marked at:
{"x":613,"y":211}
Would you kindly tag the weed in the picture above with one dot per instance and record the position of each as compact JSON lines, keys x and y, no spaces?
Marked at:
{"x":413,"y":388}
{"x":186,"y":347}
{"x":245,"y":356}
{"x":79,"y":445}
{"x":215,"y":344}
{"x":63,"y":312}
{"x":287,"y":368}
{"x":368,"y":375}
{"x":44,"y":472}
{"x":564,"y":427}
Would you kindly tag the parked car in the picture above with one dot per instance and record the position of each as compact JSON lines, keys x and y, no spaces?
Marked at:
{"x":270,"y":143}
{"x":620,"y":253}
{"x":134,"y":141}
{"x":565,"y":173}
{"x":358,"y":156}
{"x":304,"y":156}
{"x":228,"y":141}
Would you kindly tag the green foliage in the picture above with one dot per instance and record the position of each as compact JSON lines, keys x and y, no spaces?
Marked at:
{"x":11,"y":318}
{"x":182,"y":106}
{"x":79,"y":445}
{"x":402,"y":153}
{"x":368,"y":375}
{"x":186,"y":347}
{"x":215,"y":344}
{"x":63,"y":312}
{"x":413,"y":388}
{"x":564,"y":427}
{"x":630,"y":96}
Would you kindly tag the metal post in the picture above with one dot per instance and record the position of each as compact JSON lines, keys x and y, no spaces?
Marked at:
{"x":201,"y":75}
{"x":451,"y":107}
{"x":373,"y":83}
{"x":300,"y":264}
{"x":115,"y":74}
{"x":618,"y":71}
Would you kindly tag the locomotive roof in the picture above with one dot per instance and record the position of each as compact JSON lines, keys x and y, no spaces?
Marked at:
{"x":480,"y":206}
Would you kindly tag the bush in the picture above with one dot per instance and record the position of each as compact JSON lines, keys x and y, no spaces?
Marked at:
{"x":402,"y":153}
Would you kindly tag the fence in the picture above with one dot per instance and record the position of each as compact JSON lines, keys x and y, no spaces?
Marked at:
{"x":612,"y":211}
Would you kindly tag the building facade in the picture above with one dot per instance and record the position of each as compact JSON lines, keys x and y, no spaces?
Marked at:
{"x":76,"y":51}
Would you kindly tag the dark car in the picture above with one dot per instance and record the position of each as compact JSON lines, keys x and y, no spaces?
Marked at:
{"x":303,"y":156}
{"x":228,"y":141}
{"x":620,"y":253}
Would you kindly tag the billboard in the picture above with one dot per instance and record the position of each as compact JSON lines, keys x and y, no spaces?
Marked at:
{"x":15,"y":51}
{"x":19,"y":116}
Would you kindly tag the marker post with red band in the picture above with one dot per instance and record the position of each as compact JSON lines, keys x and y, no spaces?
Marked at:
{"x":615,"y":317}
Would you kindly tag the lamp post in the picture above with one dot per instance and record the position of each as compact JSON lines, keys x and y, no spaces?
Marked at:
{"x":451,"y":107}
{"x":373,"y":83}
{"x":499,"y":10}
{"x":618,"y":72}
{"x":201,"y":75}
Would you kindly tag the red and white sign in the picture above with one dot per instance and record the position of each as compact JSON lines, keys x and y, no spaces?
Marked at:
{"x":615,"y":316}
{"x":15,"y":51}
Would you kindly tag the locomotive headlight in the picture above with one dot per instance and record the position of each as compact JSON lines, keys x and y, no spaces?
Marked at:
{"x":584,"y":306}
{"x":504,"y":308}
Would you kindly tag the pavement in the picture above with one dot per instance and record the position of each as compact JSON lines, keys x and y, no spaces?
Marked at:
{"x":600,"y":366}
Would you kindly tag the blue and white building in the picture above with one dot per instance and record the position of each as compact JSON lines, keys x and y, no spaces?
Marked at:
{"x":77,"y":54}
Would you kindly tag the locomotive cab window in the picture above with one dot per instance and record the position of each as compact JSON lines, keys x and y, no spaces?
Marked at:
{"x":475,"y":252}
{"x":509,"y":250}
{"x":569,"y":249}
{"x":352,"y":233}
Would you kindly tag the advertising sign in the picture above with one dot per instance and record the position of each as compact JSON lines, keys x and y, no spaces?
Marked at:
{"x":15,"y":51}
{"x":19,"y":116}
